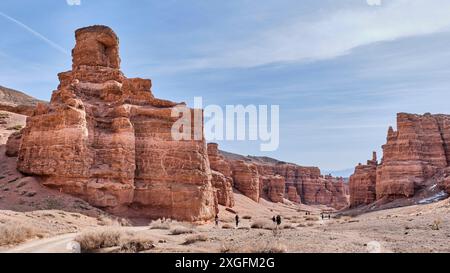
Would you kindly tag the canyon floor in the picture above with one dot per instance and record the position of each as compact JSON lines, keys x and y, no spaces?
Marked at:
{"x":37,"y":219}
{"x":422,"y":229}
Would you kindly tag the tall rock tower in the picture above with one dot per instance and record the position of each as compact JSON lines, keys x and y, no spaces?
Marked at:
{"x":107,"y":139}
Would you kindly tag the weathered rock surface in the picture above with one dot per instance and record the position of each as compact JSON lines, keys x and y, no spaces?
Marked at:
{"x":221,"y":176}
{"x":17,"y":102}
{"x":274,"y":180}
{"x":107,"y":139}
{"x":413,"y":154}
{"x":363,"y":183}
{"x":415,"y":157}
{"x":13,"y":144}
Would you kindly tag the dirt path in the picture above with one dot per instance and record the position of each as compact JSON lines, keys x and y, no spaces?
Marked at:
{"x":56,"y":244}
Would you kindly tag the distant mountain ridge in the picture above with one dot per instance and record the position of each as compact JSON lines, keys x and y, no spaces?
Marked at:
{"x":17,"y":102}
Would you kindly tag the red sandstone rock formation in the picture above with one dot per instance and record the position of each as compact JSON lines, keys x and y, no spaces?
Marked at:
{"x":221,"y":176}
{"x":415,"y":155}
{"x":246,"y":179}
{"x":13,"y":144}
{"x":106,"y":139}
{"x":363,"y":183}
{"x":301,"y":184}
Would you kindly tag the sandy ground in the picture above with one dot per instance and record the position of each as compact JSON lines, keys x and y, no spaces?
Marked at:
{"x":408,"y":229}
{"x":9,"y":120}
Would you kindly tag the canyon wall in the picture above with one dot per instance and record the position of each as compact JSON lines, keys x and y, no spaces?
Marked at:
{"x":261,"y":177}
{"x":415,"y":156}
{"x":105,"y":138}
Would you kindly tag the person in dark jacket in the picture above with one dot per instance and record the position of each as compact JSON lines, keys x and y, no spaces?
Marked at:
{"x":237,"y":220}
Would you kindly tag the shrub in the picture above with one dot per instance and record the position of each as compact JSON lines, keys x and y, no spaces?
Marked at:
{"x":247,"y":217}
{"x":135,"y":244}
{"x":16,"y":233}
{"x":195,"y":238}
{"x":178,"y":230}
{"x":261,"y":225}
{"x":436,"y":225}
{"x":92,"y":240}
{"x":160,"y":225}
{"x":227,"y":226}
{"x":15,"y":128}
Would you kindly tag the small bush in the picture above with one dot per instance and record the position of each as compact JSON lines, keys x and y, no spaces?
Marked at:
{"x":160,"y":225}
{"x":93,"y":240}
{"x":227,"y":226}
{"x":135,"y":244}
{"x":15,"y":233}
{"x":4,"y":115}
{"x":436,"y":225}
{"x":247,"y":217}
{"x":178,"y":230}
{"x":195,"y":238}
{"x":287,"y":226}
{"x":261,"y":225}
{"x":15,"y":128}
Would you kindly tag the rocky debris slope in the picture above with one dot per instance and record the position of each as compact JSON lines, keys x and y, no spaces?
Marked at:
{"x":262,"y":177}
{"x":107,"y":139}
{"x":17,"y":102}
{"x":415,"y":160}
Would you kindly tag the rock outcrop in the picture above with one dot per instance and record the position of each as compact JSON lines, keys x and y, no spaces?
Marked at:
{"x":413,"y":154}
{"x":415,"y":157}
{"x":363,"y":183}
{"x":221,"y":176}
{"x":262,"y":177}
{"x":107,"y":139}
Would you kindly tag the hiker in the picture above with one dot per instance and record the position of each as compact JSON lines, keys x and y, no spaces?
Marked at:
{"x":274,"y":219}
{"x":278,"y":220}
{"x":329,"y":216}
{"x":237,"y":220}
{"x":322,"y":215}
{"x":217,"y":220}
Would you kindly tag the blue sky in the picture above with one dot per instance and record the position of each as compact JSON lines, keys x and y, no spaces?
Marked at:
{"x":340,"y":70}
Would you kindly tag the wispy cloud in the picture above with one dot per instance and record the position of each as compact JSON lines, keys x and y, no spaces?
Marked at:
{"x":329,"y":35}
{"x":35,"y":33}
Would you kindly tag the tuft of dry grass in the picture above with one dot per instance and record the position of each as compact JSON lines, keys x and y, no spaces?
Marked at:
{"x":15,"y":128}
{"x":98,"y":239}
{"x":160,"y":225}
{"x":135,"y":244}
{"x":178,"y":230}
{"x":195,"y":238}
{"x":436,"y":224}
{"x":227,"y":226}
{"x":260,"y":224}
{"x":266,"y":248}
{"x":16,"y":233}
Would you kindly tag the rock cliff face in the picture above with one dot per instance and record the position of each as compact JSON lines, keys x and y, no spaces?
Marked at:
{"x":260,"y":177}
{"x":107,"y":139}
{"x":221,"y":176}
{"x":415,"y":155}
{"x":363,"y":183}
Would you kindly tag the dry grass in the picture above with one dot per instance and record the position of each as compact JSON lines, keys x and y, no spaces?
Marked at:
{"x":178,"y":230}
{"x":16,"y":233}
{"x":195,"y":238}
{"x":160,"y":225}
{"x":436,"y":224}
{"x":260,"y":224}
{"x":227,"y":226}
{"x":256,"y":248}
{"x":135,"y":244}
{"x":98,"y":239}
{"x":15,"y":128}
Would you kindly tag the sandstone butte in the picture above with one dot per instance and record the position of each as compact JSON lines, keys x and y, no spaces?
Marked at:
{"x":106,"y":139}
{"x":415,"y":156}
